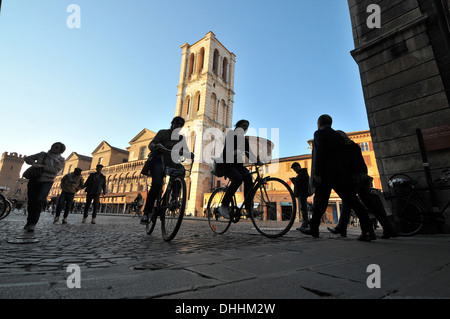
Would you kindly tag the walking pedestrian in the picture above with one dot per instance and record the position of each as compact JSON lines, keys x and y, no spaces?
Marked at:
{"x":356,"y":168}
{"x":70,"y":184}
{"x":50,"y":163}
{"x":95,"y":185}
{"x":328,"y":163}
{"x":301,"y":190}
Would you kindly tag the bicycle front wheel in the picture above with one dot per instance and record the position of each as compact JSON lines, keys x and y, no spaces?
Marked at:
{"x":408,"y":215}
{"x":273,"y":208}
{"x":217,"y":223}
{"x":151,"y":224}
{"x":175,"y":199}
{"x":5,"y":207}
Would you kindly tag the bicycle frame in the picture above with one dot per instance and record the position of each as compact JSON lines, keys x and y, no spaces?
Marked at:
{"x":256,"y":184}
{"x":161,"y":200}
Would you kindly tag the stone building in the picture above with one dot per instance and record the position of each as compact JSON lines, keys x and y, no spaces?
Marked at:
{"x":10,"y":167}
{"x":404,"y":64}
{"x":205,"y":100}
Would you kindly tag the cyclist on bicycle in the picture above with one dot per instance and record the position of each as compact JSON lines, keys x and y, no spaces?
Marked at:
{"x":232,"y":166}
{"x":168,"y":146}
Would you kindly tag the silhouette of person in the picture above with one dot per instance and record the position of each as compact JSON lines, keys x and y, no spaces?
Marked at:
{"x":328,"y":163}
{"x":236,"y":146}
{"x":356,"y":168}
{"x":95,"y":185}
{"x":301,"y":183}
{"x":168,"y":145}
{"x":51,"y":163}
{"x":70,"y":184}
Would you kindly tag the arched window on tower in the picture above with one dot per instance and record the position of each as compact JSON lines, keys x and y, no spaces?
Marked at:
{"x":201,"y":60}
{"x":186,"y":108}
{"x":224,"y":112}
{"x":197,"y":101}
{"x":225,"y":69}
{"x":216,"y":61}
{"x":214,"y":106}
{"x":191,"y":64}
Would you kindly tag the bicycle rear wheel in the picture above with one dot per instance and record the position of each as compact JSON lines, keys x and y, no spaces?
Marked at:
{"x":217,"y":223}
{"x":175,"y":199}
{"x":408,"y":215}
{"x":273,"y":210}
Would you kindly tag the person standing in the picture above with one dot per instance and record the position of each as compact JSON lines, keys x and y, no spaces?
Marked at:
{"x":301,"y":183}
{"x":95,"y":185}
{"x":51,"y":163}
{"x":328,"y":172}
{"x":70,"y":184}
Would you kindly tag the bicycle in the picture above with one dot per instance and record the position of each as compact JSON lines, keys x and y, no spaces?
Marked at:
{"x":5,"y":206}
{"x":410,"y":215}
{"x":171,"y":205}
{"x":268,"y":216}
{"x":134,"y":210}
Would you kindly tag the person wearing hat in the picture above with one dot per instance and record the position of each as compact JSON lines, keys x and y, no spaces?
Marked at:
{"x":70,"y":184}
{"x":95,"y":185}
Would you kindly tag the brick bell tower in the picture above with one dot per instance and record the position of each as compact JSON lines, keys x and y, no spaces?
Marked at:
{"x":205,"y":100}
{"x":10,"y":167}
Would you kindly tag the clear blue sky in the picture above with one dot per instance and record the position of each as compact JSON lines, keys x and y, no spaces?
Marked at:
{"x":119,"y":73}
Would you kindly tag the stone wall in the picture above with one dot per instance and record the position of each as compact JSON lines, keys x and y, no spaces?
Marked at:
{"x":404,"y":67}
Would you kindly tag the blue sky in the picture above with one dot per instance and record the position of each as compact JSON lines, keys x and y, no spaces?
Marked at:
{"x":119,"y":72}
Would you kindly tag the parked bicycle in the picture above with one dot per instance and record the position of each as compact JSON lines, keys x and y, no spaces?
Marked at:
{"x":273,"y":202}
{"x":409,"y":208}
{"x":170,"y":206}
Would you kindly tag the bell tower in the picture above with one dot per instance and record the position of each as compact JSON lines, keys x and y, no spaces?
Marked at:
{"x":205,"y":100}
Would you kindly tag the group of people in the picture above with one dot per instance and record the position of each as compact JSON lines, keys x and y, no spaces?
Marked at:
{"x":337,"y":164}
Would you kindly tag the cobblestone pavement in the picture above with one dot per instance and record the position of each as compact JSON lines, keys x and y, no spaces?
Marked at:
{"x":113,"y":240}
{"x":119,"y":260}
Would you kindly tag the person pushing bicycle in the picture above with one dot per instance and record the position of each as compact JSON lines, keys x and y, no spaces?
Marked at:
{"x":168,"y":146}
